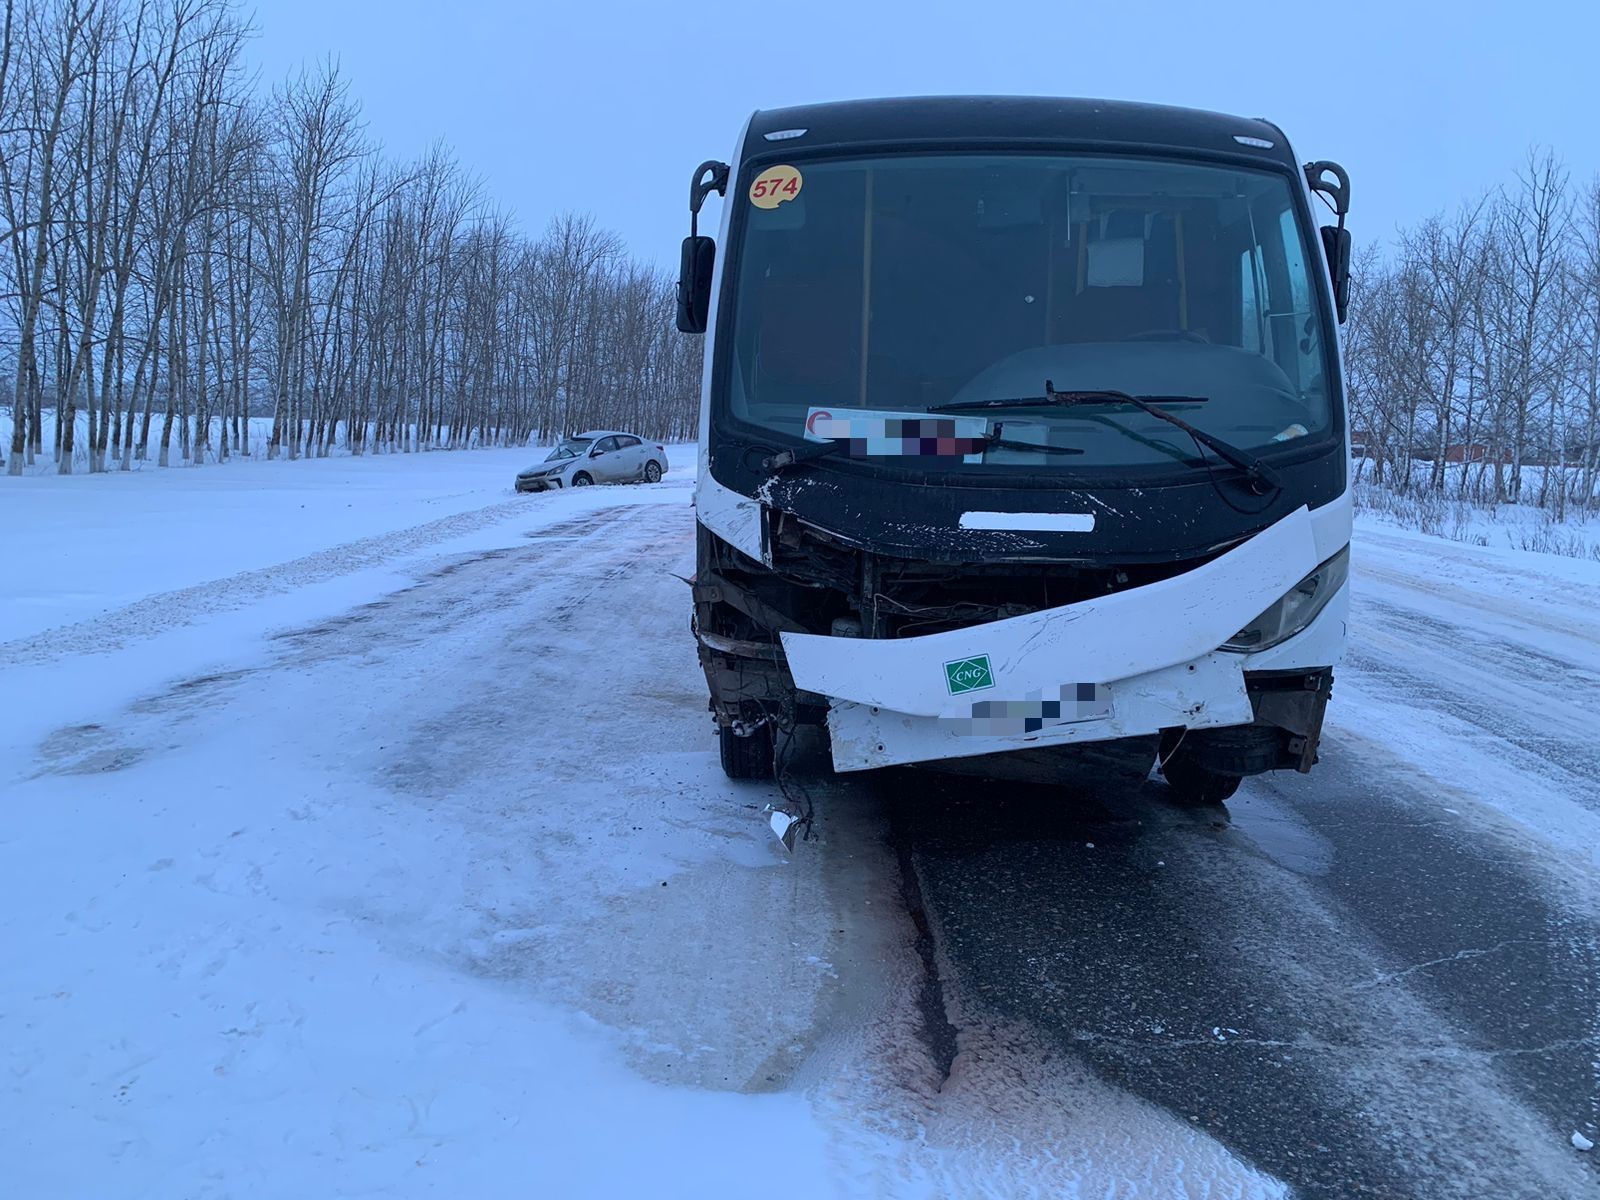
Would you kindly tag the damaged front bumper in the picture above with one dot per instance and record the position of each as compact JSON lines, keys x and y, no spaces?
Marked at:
{"x":1272,"y":721}
{"x":1208,"y":691}
{"x":1132,"y":664}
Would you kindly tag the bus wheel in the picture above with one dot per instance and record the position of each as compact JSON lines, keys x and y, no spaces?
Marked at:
{"x":1194,"y":786}
{"x":746,"y":757}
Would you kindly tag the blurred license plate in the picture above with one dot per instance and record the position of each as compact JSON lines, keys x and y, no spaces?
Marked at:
{"x":1076,"y":702}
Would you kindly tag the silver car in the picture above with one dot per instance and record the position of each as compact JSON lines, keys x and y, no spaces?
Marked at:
{"x":599,"y":456}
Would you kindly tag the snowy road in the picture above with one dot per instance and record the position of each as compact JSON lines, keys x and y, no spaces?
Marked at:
{"x":404,"y":867}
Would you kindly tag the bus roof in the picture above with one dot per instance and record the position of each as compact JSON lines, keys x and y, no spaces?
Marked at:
{"x":1003,"y":119}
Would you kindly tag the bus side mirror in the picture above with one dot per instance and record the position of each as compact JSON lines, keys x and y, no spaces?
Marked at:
{"x":1336,"y":246}
{"x":1332,"y":182}
{"x":694,"y":283}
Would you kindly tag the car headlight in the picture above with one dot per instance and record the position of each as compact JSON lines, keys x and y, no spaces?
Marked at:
{"x":1296,"y":608}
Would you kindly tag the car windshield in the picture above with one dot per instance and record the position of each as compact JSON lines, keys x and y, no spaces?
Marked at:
{"x":570,"y":448}
{"x":884,"y":287}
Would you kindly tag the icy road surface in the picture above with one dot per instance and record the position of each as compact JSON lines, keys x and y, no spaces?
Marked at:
{"x":388,"y":854}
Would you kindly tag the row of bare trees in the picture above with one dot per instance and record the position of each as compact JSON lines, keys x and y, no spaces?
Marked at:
{"x":1474,"y":350}
{"x":180,"y":253}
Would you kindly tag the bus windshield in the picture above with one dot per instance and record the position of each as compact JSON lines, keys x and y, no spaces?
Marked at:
{"x":898,"y":284}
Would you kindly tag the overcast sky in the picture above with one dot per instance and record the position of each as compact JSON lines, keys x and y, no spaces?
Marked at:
{"x":606,"y":107}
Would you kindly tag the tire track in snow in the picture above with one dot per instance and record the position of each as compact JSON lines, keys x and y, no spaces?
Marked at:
{"x":434,"y":605}
{"x":167,"y":611}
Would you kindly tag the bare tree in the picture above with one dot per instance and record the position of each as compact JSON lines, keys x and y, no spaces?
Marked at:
{"x":178,"y":247}
{"x":55,"y":44}
{"x":1478,"y":344}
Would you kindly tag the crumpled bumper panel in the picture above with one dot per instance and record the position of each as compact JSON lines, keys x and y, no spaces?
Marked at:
{"x":1124,"y":636}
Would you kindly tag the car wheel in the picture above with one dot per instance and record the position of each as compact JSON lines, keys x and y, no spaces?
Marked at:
{"x":652,"y":472}
{"x":581,"y":479}
{"x":746,"y":757}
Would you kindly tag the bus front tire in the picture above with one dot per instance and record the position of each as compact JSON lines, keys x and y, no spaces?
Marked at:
{"x":1195,"y":786}
{"x":746,"y":757}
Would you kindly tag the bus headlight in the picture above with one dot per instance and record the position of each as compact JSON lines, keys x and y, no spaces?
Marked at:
{"x":1296,"y":609}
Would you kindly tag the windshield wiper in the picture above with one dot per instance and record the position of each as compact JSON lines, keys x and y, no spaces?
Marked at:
{"x":1262,"y":478}
{"x":1054,"y":398}
{"x":793,"y":458}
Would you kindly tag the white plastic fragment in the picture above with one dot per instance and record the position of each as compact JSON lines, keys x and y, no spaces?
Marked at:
{"x":1581,"y":1142}
{"x":785,"y":826}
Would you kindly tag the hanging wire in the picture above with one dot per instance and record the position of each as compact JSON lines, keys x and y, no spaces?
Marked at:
{"x":780,"y":773}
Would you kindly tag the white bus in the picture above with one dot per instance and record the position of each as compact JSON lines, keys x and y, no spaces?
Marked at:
{"x":1023,"y":445}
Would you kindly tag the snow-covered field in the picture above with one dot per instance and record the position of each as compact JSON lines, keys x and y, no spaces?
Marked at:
{"x":364,"y":835}
{"x":1575,"y":534}
{"x":260,"y":429}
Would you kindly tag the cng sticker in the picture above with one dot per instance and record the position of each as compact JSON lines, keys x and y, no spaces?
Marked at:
{"x":968,"y":675}
{"x":775,"y":185}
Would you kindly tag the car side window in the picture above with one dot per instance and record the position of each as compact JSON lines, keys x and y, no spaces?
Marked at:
{"x":624,"y":441}
{"x":605,"y":445}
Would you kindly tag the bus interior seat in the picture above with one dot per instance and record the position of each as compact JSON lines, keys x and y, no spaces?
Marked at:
{"x":1128,"y":283}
